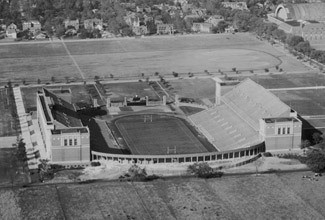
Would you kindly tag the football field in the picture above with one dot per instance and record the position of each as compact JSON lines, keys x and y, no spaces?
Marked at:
{"x":158,"y":135}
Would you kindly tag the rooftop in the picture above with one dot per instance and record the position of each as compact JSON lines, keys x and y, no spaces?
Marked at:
{"x":285,"y":119}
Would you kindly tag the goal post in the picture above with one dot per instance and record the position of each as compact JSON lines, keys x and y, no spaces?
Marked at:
{"x":172,"y":150}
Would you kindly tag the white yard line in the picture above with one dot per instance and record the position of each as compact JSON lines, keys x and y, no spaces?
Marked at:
{"x":73,"y":60}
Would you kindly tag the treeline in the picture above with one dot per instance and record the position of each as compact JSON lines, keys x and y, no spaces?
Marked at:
{"x":51,"y":14}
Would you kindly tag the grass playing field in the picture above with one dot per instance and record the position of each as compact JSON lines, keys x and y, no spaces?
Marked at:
{"x":9,"y":125}
{"x":290,"y":80}
{"x":305,"y":102}
{"x":131,"y":57}
{"x":155,"y":134}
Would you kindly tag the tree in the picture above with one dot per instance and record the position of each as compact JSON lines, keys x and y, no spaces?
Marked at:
{"x":200,"y":169}
{"x":305,"y":144}
{"x":317,"y":138}
{"x":293,"y":40}
{"x":21,"y":151}
{"x":258,"y":163}
{"x":53,"y":79}
{"x":316,"y":160}
{"x":203,"y":170}
{"x":38,"y":81}
{"x":220,"y":28}
{"x":175,"y":74}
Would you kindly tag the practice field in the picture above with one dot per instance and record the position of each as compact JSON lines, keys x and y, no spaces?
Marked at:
{"x":9,"y":124}
{"x":126,"y":57}
{"x":274,"y":81}
{"x":306,"y":102}
{"x":80,"y":93}
{"x":117,"y":91}
{"x":159,"y":135}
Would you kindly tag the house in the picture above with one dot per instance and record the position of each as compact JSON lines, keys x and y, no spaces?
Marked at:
{"x":158,"y":21}
{"x":130,"y":18}
{"x":145,"y":9}
{"x":11,"y":31}
{"x":93,"y":24}
{"x":32,"y":26}
{"x":235,"y":5}
{"x":202,"y":27}
{"x":140,"y":30}
{"x":165,"y":29}
{"x":40,"y":36}
{"x":214,"y":20}
{"x":230,"y":30}
{"x":71,"y":23}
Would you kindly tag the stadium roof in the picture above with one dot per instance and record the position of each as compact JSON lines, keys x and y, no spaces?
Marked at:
{"x":305,"y":11}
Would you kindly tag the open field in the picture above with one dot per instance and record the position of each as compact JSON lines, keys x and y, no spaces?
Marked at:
{"x":9,"y":125}
{"x":268,"y":196}
{"x":131,"y":57}
{"x":290,"y":80}
{"x":158,"y":133}
{"x":117,"y":91}
{"x":80,"y":93}
{"x":305,"y":102}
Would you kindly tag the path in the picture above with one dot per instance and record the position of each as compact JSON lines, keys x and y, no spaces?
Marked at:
{"x":73,"y":60}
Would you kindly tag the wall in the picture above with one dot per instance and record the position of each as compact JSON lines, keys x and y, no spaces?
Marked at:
{"x":180,"y":158}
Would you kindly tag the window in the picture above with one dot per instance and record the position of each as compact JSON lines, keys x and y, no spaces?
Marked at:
{"x":279,"y":130}
{"x":75,"y":141}
{"x":283,"y":130}
{"x":288,"y":130}
{"x":70,"y":142}
{"x":65,"y":142}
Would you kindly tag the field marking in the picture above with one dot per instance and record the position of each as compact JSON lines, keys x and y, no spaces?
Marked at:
{"x":298,"y":88}
{"x":73,"y":60}
{"x":127,"y":139}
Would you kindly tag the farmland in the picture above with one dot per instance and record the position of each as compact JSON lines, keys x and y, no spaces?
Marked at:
{"x":268,"y":196}
{"x":132,"y":57}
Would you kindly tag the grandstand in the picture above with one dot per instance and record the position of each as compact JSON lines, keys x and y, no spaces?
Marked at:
{"x":306,"y":20}
{"x":235,"y":123}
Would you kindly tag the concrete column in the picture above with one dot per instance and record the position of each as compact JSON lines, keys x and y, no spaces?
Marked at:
{"x":177,"y":100}
{"x":125,"y":103}
{"x":218,"y":90}
{"x":164,"y":100}
{"x":147,"y":100}
{"x":108,"y":102}
{"x":95,"y":103}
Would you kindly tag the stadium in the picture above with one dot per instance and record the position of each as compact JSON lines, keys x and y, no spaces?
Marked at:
{"x":244,"y":122}
{"x":240,"y":124}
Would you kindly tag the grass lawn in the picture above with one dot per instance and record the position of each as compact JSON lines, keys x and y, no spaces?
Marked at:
{"x":290,"y":80}
{"x":154,"y":138}
{"x":305,"y":102}
{"x":117,"y":91}
{"x":8,"y":121}
{"x":131,"y":57}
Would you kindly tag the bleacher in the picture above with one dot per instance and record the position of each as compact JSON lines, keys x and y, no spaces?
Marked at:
{"x":224,"y":128}
{"x":252,"y":102}
{"x":235,"y":123}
